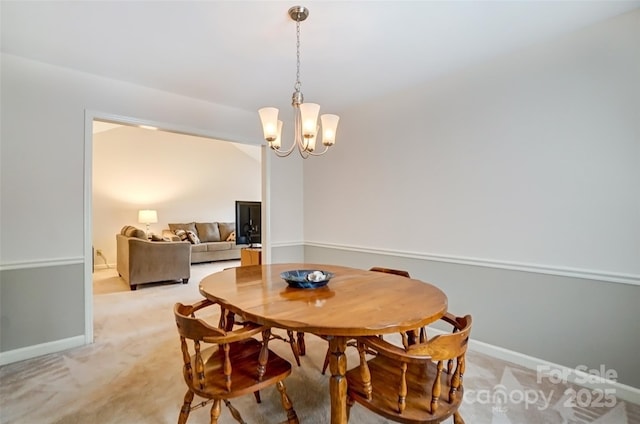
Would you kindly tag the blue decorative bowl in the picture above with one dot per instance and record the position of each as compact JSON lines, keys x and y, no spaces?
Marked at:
{"x":306,"y":278}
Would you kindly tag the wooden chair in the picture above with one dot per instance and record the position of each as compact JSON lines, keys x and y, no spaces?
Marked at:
{"x":412,"y":384}
{"x":233,"y":365}
{"x":376,"y":269}
{"x":228,"y":319}
{"x":391,"y":271}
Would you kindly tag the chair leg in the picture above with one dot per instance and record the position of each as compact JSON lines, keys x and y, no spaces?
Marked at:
{"x":350,"y":403}
{"x":256,"y":394}
{"x":234,"y":412}
{"x":292,"y":418}
{"x":413,"y":337}
{"x":457,"y":419}
{"x":327,"y":357}
{"x":186,"y":407}
{"x":302,"y":348}
{"x":294,"y":346}
{"x":215,"y":411}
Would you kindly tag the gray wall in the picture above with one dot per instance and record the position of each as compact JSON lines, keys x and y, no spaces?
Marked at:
{"x":567,"y":321}
{"x":292,"y":254}
{"x":41,"y":305}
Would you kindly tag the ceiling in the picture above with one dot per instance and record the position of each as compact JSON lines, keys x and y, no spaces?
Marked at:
{"x":242,"y":53}
{"x":100,"y":127}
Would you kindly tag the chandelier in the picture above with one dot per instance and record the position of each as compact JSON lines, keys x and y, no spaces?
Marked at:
{"x":305,"y":114}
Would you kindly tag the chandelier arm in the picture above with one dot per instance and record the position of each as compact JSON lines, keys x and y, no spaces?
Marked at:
{"x":326,"y":149}
{"x":283,"y":153}
{"x":298,"y":139}
{"x":304,"y":153}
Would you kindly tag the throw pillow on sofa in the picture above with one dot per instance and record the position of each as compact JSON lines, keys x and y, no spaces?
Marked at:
{"x":226,"y":228}
{"x":155,"y":237}
{"x":191,"y":226}
{"x":182,"y":234}
{"x":232,"y":236}
{"x":208,"y":231}
{"x":193,"y":237}
{"x":131,"y":231}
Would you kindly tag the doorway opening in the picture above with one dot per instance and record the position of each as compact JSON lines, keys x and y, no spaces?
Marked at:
{"x":184,"y":176}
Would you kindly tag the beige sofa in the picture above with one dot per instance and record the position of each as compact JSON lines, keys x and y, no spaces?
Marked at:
{"x":210,"y":241}
{"x":140,"y":261}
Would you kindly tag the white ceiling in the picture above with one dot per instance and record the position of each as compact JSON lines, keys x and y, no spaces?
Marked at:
{"x":242,"y":53}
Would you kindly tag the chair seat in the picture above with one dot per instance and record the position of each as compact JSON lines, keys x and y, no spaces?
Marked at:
{"x":244,"y":357}
{"x":236,"y":363}
{"x":385,"y":379}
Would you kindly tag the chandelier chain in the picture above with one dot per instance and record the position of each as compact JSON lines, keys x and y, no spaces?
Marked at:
{"x":298,"y":84}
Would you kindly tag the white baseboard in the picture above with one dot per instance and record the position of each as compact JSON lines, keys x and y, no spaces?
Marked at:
{"x":29,"y":352}
{"x":546,"y":369}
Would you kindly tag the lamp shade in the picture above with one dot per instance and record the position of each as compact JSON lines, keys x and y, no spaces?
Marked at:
{"x":329,"y":127}
{"x":269,"y":119}
{"x":147,"y":216}
{"x":309,"y":116}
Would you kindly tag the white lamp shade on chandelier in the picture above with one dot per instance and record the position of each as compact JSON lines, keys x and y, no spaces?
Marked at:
{"x":270,"y":124}
{"x":329,"y":128}
{"x":305,"y":114}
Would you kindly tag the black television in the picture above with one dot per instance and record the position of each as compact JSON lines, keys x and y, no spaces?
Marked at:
{"x":248,"y":222}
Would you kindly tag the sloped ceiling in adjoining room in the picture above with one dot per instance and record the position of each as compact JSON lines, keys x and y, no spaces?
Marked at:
{"x":251,"y":151}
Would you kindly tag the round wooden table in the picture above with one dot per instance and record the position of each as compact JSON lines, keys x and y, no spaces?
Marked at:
{"x":354,"y":303}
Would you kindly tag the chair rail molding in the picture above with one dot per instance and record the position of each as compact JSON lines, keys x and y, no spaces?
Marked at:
{"x":491,"y":263}
{"x":41,"y":263}
{"x":293,"y":243}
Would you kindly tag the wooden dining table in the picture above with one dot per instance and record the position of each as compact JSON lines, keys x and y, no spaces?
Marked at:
{"x":354,"y":303}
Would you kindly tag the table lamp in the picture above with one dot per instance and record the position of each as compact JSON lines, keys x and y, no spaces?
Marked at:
{"x":147,"y":216}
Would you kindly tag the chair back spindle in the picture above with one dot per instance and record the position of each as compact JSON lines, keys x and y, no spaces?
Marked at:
{"x":224,"y":362}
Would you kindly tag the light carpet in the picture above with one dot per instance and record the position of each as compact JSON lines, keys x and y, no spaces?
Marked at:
{"x":133,"y":374}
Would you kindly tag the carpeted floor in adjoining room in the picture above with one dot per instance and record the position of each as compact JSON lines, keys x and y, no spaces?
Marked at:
{"x":133,"y":374}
